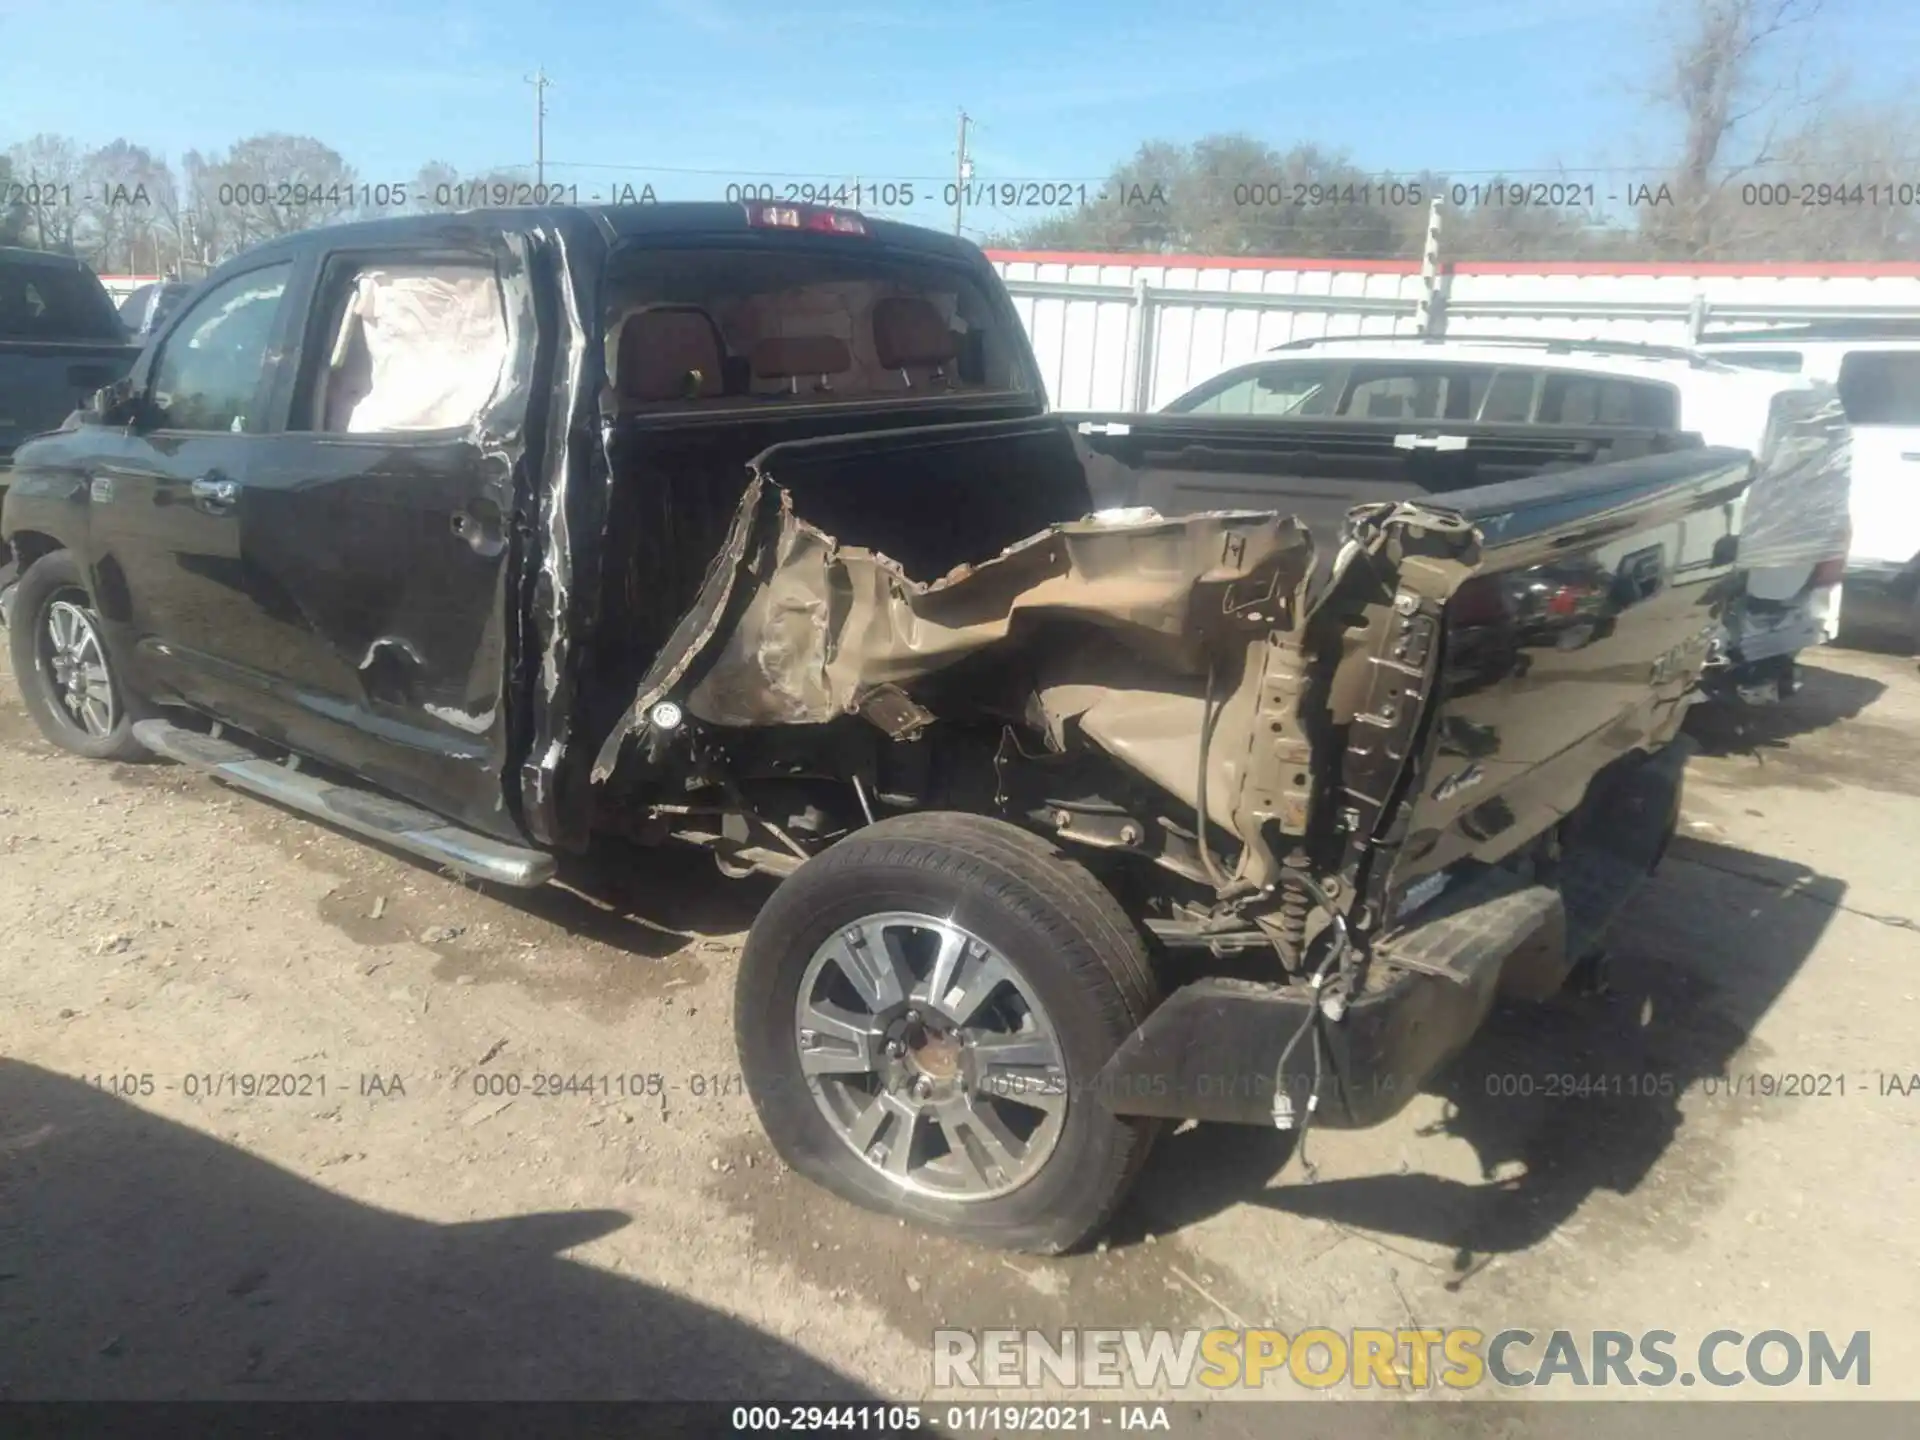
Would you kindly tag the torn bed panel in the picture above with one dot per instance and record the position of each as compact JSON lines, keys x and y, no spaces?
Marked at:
{"x":1797,"y":511}
{"x":827,"y":623}
{"x":794,"y":627}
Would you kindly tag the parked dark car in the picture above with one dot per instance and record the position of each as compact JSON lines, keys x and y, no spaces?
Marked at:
{"x":490,"y":536}
{"x":146,"y":309}
{"x":59,"y":342}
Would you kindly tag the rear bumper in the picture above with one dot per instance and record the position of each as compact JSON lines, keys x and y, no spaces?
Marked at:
{"x":1211,"y":1051}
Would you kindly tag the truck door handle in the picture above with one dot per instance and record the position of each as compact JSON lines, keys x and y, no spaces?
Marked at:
{"x":214,"y":492}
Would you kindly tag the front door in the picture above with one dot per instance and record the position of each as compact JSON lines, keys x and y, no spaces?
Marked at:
{"x":183,"y":611}
{"x":383,"y":511}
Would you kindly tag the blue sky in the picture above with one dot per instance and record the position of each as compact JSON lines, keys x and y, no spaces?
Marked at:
{"x":686,"y":94}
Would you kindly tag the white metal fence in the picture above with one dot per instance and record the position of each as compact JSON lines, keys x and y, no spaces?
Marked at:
{"x":1120,"y":332}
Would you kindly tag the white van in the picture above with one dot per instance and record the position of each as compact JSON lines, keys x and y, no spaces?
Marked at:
{"x":1876,"y":368}
{"x":1794,"y":532}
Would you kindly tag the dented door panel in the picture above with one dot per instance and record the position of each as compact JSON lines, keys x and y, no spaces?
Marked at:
{"x":391,"y":561}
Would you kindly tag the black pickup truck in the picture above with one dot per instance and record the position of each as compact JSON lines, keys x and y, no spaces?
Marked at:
{"x":60,"y":341}
{"x":490,"y":535}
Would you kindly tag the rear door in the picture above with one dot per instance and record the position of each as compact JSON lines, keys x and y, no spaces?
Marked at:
{"x":1880,"y":390}
{"x":383,"y":512}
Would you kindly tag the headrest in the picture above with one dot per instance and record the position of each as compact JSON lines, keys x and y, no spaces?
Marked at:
{"x":780,"y":357}
{"x":669,"y":352}
{"x":908,"y":330}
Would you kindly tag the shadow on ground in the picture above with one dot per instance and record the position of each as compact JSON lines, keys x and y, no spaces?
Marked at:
{"x":1562,"y":1100}
{"x":142,"y":1259}
{"x":1825,"y":697}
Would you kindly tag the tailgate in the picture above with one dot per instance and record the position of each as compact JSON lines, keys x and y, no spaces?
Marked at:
{"x":44,"y":381}
{"x":1503,"y":676}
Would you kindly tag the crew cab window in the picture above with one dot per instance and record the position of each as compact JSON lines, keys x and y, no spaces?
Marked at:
{"x":716,"y":329}
{"x":207,"y":376}
{"x":1509,"y":398}
{"x":1881,"y":387}
{"x":405,"y":347}
{"x":1571,"y":399}
{"x":1416,"y":392}
{"x":1296,"y":388}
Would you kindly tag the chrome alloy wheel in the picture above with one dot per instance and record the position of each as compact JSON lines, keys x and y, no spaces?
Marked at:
{"x":931,"y":1056}
{"x":73,"y":668}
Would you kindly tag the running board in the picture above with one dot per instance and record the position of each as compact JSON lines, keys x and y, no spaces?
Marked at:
{"x":378,"y":817}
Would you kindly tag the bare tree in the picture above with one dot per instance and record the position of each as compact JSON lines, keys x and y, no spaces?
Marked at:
{"x":49,"y":166}
{"x":124,"y":216}
{"x":266,"y":186}
{"x":13,"y":213}
{"x":1736,"y":77}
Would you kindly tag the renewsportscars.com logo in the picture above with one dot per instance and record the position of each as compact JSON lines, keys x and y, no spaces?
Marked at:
{"x":1399,"y":1359}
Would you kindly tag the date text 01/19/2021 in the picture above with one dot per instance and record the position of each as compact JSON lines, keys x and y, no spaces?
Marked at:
{"x":955,"y":1419}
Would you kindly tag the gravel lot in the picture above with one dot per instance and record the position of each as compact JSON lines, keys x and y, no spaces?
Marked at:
{"x":411,"y":1232}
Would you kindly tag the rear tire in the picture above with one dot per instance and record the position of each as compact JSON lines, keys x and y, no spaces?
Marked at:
{"x":990,"y":979}
{"x":67,"y":680}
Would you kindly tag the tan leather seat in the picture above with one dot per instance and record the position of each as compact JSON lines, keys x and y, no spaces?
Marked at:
{"x":665,"y":353}
{"x":909,"y":334}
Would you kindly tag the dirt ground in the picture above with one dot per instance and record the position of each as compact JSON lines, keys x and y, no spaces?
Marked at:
{"x":403,"y":1227}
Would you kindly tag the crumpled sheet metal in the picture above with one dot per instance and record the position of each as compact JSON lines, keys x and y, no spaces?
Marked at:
{"x":1797,"y":510}
{"x":826,"y":623}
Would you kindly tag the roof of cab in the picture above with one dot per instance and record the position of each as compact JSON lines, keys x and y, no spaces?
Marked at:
{"x":47,"y":259}
{"x":615,"y":223}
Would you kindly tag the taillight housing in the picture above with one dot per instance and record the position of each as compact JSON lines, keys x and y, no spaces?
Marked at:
{"x":765,"y":215}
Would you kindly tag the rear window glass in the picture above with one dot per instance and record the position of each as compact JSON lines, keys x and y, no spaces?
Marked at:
{"x":47,"y":302}
{"x":1881,"y":387}
{"x":695,"y":330}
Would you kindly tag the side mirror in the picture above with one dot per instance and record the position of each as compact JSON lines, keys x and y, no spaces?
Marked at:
{"x":116,"y":404}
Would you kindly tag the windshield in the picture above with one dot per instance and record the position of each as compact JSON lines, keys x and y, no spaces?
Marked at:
{"x":714,"y":329}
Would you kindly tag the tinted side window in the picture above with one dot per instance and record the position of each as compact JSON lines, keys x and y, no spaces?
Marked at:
{"x":208,"y":375}
{"x":1417,"y":392}
{"x":1289,"y":389}
{"x":1510,"y":397}
{"x":1606,"y":400}
{"x":1881,"y":387}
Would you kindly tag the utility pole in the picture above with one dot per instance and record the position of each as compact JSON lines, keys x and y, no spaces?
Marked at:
{"x":963,"y":172}
{"x":540,"y":82}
